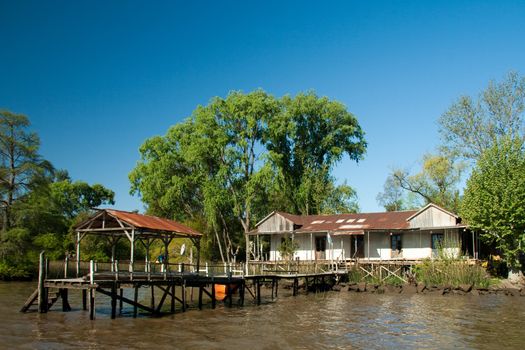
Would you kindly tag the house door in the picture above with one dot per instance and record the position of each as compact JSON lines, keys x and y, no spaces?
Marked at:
{"x":320,"y":248}
{"x":358,"y":246}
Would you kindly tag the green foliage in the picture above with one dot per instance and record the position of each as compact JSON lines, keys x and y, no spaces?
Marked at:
{"x":287,"y":248}
{"x":472,"y":126}
{"x":494,"y":200}
{"x":436,"y":183}
{"x":21,"y":167}
{"x":452,"y":272}
{"x":39,"y":204}
{"x":240,"y":157}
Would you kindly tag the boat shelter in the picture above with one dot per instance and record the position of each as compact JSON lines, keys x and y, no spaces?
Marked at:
{"x":117,"y":224}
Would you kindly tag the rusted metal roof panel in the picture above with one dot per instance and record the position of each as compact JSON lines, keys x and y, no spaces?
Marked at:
{"x":155,"y":223}
{"x":396,"y":220}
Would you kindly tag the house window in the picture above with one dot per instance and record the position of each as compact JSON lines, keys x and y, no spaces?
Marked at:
{"x":437,"y":240}
{"x":395,"y":242}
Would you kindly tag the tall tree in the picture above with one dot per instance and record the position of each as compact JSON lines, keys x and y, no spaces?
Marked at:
{"x":392,"y":197}
{"x":21,"y":166}
{"x":305,"y":142}
{"x":234,"y":159}
{"x":436,"y":182}
{"x":471,"y":126}
{"x":494,"y":200}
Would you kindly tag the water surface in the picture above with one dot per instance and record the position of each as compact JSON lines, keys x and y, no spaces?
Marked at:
{"x":333,"y":320}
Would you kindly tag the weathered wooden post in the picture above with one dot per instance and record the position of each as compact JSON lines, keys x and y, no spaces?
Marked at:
{"x":172,"y":295}
{"x":42,"y":303}
{"x":183,"y":294}
{"x":200,"y":297}
{"x":258,"y":291}
{"x":213,"y":301}
{"x":78,"y":254}
{"x":91,"y":290}
{"x":135,"y":299}
{"x":66,"y":266}
{"x":114,"y":300}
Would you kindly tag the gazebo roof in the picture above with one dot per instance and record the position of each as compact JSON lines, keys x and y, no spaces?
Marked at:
{"x":111,"y":221}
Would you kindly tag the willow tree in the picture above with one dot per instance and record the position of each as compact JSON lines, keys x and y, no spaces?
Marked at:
{"x":237,"y":158}
{"x":494,"y":200}
{"x":305,"y":142}
{"x":472,"y":125}
{"x":210,"y":166}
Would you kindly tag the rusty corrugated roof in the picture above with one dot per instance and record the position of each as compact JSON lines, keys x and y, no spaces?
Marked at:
{"x":394,"y":220}
{"x":149,"y":222}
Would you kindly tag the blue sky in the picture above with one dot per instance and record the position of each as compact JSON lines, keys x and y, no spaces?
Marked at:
{"x":97,"y":78}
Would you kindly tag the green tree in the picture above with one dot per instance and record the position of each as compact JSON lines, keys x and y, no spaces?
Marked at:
{"x":305,"y":142}
{"x":392,"y":197}
{"x":236,"y":158}
{"x":494,"y":199}
{"x":21,"y":167}
{"x":471,"y":126}
{"x":437,"y":182}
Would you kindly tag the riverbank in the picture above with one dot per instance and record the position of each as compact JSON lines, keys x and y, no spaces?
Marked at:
{"x":421,"y":288}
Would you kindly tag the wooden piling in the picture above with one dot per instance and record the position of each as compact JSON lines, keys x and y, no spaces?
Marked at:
{"x":213,"y":301}
{"x":152,"y":297}
{"x":172,"y":297}
{"x":183,"y":295}
{"x":114,"y":300}
{"x":42,"y":303}
{"x":121,"y":292}
{"x":84,"y":299}
{"x":200,"y":297}
{"x":64,"y":297}
{"x":91,"y":303}
{"x":135,"y":299}
{"x":258,"y":291}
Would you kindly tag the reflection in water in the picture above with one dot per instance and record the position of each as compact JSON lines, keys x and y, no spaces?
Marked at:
{"x":315,"y":321}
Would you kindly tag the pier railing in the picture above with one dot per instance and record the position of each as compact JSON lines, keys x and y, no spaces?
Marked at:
{"x":68,"y":268}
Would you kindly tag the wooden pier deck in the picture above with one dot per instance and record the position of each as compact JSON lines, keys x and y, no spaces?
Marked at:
{"x":168,"y":289}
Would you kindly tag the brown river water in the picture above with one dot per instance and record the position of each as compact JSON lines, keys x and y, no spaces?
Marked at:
{"x":331,"y":320}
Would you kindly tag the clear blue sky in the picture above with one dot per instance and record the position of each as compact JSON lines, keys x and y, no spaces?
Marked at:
{"x":97,"y":78}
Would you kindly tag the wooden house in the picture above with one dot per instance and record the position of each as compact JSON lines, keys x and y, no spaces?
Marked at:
{"x":405,"y":235}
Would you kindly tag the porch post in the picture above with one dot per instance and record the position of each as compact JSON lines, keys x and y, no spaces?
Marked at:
{"x":247,"y":238}
{"x":473,"y":246}
{"x":132,"y":252}
{"x":368,"y":245}
{"x":312,"y":253}
{"x":78,"y":254}
{"x":198,"y":240}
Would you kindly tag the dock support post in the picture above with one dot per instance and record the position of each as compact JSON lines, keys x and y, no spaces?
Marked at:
{"x":114,"y":300}
{"x":230,"y":294}
{"x":306,"y":284}
{"x":91,"y":303}
{"x":295,"y":286}
{"x":276,"y":286}
{"x":65,"y":302}
{"x":241,"y":292}
{"x":273,"y":286}
{"x":84,"y":299}
{"x":120,"y":303}
{"x":42,"y":302}
{"x":258,"y":291}
{"x":135,"y":299}
{"x":172,"y":296}
{"x":183,"y":295}
{"x":152,"y":297}
{"x":200,"y":297}
{"x":213,"y":294}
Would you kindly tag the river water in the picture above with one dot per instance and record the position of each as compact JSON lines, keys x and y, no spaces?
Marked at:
{"x":332,"y":320}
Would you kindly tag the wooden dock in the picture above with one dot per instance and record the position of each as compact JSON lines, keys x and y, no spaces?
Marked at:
{"x":168,"y":288}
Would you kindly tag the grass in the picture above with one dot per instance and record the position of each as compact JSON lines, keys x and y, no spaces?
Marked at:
{"x":452,"y":272}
